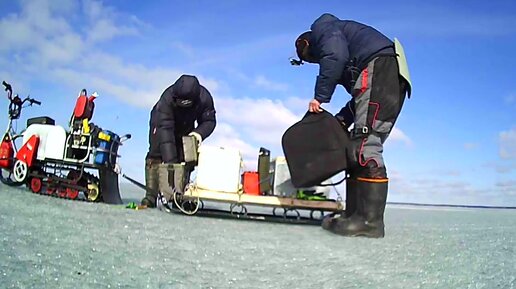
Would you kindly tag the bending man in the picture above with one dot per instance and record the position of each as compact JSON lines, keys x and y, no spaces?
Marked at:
{"x":172,"y":117}
{"x":364,"y":61}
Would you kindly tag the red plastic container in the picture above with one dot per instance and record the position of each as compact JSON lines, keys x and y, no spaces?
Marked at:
{"x":6,"y":154}
{"x":84,"y":107}
{"x":251,"y":183}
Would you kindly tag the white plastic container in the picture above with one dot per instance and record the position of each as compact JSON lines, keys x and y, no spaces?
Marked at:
{"x":282,"y":184}
{"x":52,"y":140}
{"x":219,"y":169}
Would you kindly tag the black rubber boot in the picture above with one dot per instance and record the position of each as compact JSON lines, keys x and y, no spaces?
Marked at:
{"x":351,"y":205}
{"x":172,"y":179}
{"x":368,"y":218}
{"x":151,"y":182}
{"x":351,"y":197}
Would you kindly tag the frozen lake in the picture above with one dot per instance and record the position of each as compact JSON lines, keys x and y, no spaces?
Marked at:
{"x":53,"y":243}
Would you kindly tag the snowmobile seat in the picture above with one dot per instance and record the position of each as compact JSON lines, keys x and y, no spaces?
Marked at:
{"x":40,"y":120}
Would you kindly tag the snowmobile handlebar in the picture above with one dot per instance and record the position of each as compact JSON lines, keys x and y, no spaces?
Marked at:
{"x":8,"y":88}
{"x":16,"y":100}
{"x":33,"y":101}
{"x":125,"y":137}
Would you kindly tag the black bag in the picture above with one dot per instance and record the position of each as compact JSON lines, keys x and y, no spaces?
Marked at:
{"x":315,"y":149}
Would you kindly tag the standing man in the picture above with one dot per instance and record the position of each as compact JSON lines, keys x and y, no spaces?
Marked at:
{"x":365,"y":62}
{"x":172,"y":117}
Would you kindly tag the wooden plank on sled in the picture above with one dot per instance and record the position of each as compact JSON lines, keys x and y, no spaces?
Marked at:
{"x":271,"y":201}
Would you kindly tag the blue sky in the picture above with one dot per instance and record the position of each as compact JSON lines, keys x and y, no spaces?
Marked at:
{"x":455,"y":140}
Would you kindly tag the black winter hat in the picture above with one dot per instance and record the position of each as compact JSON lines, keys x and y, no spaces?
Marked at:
{"x":186,"y":90}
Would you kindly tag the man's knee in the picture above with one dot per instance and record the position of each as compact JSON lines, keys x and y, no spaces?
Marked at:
{"x":365,"y":158}
{"x":371,"y":171}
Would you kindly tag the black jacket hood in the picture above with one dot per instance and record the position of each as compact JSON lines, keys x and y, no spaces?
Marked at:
{"x":187,"y":87}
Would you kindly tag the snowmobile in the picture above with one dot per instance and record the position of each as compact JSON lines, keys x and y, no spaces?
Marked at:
{"x":77,"y":163}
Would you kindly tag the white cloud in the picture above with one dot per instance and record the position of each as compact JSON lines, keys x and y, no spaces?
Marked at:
{"x":136,"y":96}
{"x":186,"y":49}
{"x":102,"y":22}
{"x":506,"y":183}
{"x":240,"y":52}
{"x":507,"y":141}
{"x":62,"y":49}
{"x":262,"y":82}
{"x":104,"y":29}
{"x":297,"y":104}
{"x":248,"y":124}
{"x":46,"y":18}
{"x":259,"y":81}
{"x":397,"y":135}
{"x":455,"y":190}
{"x":49,"y":48}
{"x":501,"y":167}
{"x":34,"y":26}
{"x":262,"y":120}
{"x":43,"y":27}
{"x":508,"y":187}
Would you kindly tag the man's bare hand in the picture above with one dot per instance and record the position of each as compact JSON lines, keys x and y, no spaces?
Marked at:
{"x":314,"y":106}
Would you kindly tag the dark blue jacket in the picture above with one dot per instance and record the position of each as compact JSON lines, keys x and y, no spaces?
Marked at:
{"x":343,"y":48}
{"x":168,"y":122}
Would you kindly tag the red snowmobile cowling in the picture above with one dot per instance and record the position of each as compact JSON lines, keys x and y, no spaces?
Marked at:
{"x":28,"y":151}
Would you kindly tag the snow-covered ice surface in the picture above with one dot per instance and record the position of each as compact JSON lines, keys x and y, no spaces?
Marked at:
{"x":53,"y":243}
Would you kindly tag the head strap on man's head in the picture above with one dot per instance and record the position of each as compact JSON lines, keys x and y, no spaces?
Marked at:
{"x":295,"y":62}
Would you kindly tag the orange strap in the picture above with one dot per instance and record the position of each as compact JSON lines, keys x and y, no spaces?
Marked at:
{"x":373,"y":180}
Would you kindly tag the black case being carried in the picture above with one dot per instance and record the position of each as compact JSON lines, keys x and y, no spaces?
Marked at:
{"x":40,"y":120}
{"x":315,"y":149}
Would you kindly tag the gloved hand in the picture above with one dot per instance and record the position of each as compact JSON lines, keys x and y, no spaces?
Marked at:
{"x":197,"y":136}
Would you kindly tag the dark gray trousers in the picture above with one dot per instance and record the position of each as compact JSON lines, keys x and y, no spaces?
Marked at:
{"x":379,"y":93}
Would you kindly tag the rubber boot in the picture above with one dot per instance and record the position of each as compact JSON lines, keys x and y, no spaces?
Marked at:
{"x":351,"y":205}
{"x":368,"y":219}
{"x":151,"y":182}
{"x":172,"y":178}
{"x":351,"y":197}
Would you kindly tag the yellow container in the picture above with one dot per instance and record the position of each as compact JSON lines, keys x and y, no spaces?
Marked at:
{"x":85,"y":127}
{"x":104,"y":136}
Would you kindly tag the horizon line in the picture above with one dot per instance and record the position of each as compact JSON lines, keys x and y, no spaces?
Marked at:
{"x":453,"y":206}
